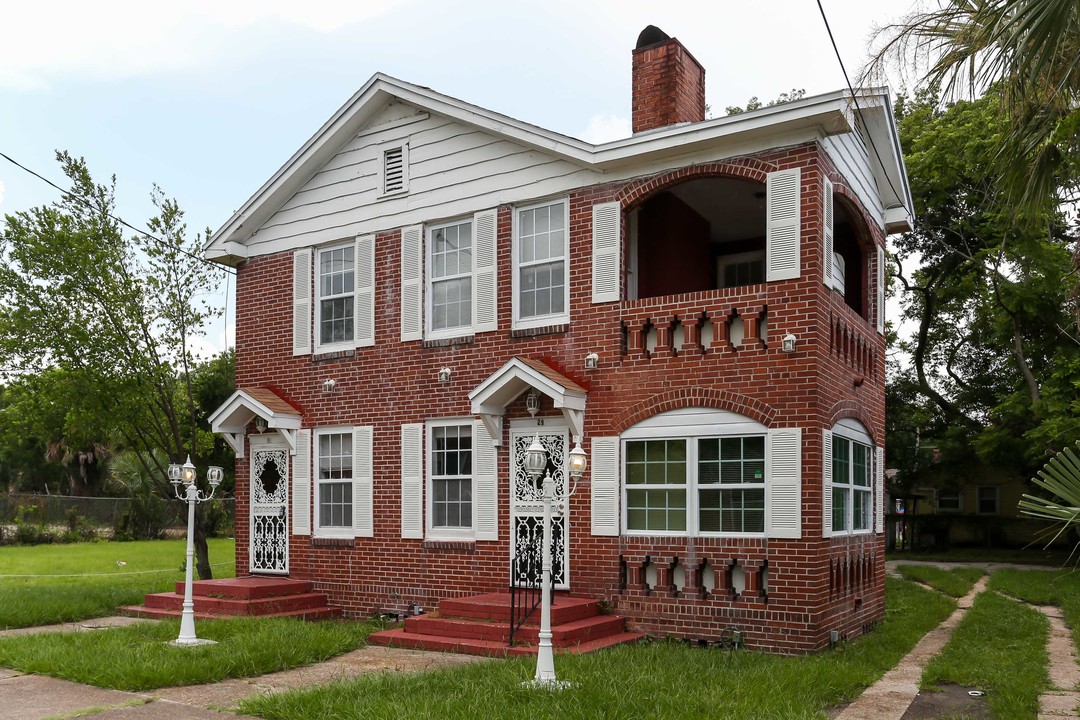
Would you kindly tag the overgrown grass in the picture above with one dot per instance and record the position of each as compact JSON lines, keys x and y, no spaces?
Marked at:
{"x":1028,"y":555}
{"x":956,"y":582}
{"x":999,"y":648}
{"x":139,"y":657}
{"x":31,"y":593}
{"x":1060,"y":588}
{"x":662,"y":679}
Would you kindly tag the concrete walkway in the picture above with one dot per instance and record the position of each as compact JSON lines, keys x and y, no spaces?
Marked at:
{"x":1063,"y":699}
{"x":890,"y":697}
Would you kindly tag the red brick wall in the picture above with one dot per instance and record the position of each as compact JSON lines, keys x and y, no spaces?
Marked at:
{"x":815,"y":585}
{"x":668,"y":86}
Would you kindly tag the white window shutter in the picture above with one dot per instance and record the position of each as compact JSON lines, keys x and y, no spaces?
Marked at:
{"x":412,"y":283}
{"x":301,"y":310}
{"x":783,"y":225}
{"x":412,"y":481}
{"x":605,"y":485}
{"x":364,"y":312}
{"x":606,"y":251}
{"x":826,"y":483}
{"x":827,"y":231}
{"x":363,"y":516}
{"x":880,"y":312}
{"x":879,"y":488}
{"x":485,"y":484}
{"x":783,"y":486}
{"x":485,"y":272}
{"x":301,"y":484}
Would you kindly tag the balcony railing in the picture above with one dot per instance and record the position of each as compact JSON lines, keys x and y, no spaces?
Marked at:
{"x":693,"y":325}
{"x":852,"y":346}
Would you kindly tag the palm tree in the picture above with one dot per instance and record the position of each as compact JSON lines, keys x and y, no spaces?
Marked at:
{"x":1061,"y":479}
{"x":1030,"y":51}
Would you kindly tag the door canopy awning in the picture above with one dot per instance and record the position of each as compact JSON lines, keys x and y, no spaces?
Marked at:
{"x":246,"y":404}
{"x":490,"y":398}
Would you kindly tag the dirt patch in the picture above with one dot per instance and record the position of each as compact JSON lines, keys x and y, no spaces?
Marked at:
{"x":949,"y":701}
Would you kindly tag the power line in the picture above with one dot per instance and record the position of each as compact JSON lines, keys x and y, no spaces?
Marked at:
{"x":855,"y":99}
{"x":117,"y":218}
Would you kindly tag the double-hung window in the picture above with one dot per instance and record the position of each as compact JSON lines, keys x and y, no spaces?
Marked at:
{"x":450,"y":277}
{"x":541,"y":283}
{"x":450,"y":508}
{"x":699,"y":486}
{"x":335,"y":481}
{"x":851,"y":486}
{"x":336,"y":286}
{"x":986,"y":497}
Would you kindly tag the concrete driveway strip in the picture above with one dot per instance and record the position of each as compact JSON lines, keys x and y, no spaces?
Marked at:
{"x":33,"y":697}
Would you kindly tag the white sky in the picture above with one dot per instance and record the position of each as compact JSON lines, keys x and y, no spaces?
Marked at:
{"x":207,"y":98}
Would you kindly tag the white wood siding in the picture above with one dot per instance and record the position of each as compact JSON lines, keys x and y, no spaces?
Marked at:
{"x":852,"y":160}
{"x":452,"y":169}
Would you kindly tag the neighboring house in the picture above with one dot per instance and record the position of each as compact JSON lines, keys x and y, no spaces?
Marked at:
{"x":699,"y":305}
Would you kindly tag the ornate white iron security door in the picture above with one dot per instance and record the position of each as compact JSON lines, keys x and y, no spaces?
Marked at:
{"x":269,"y":548}
{"x":527,"y":510}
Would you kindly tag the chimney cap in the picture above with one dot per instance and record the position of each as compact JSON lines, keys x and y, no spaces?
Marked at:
{"x":651,"y":35}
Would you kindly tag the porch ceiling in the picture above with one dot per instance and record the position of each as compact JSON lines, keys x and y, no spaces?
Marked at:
{"x":490,"y":398}
{"x":235,"y":414}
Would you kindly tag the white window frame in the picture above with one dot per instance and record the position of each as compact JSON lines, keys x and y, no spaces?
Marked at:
{"x":997,"y":499}
{"x":959,"y":501}
{"x":693,"y":487}
{"x":852,"y":436}
{"x":350,"y":295}
{"x":429,"y":282}
{"x":385,"y":148}
{"x":447,"y":533}
{"x":551,"y":318}
{"x":318,"y":529}
{"x":722,"y":262}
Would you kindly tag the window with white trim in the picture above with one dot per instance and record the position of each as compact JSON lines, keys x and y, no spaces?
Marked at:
{"x":336,"y":300}
{"x":852,"y":490}
{"x":334,"y":481}
{"x":986,"y":499}
{"x":541,"y":287}
{"x":702,"y":485}
{"x":949,"y":501}
{"x":450,"y":478}
{"x":450,"y":277}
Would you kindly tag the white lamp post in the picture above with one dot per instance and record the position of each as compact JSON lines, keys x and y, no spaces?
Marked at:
{"x":535,"y":464}
{"x":186,"y":474}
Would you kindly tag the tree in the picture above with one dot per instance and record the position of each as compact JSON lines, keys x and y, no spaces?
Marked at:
{"x":115,"y":311}
{"x":1030,"y":51}
{"x":990,"y":348}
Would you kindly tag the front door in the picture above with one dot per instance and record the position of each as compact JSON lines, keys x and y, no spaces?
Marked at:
{"x":269,"y":545}
{"x":527,"y":509}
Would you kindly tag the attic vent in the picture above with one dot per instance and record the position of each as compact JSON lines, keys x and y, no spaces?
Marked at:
{"x":395,"y":169}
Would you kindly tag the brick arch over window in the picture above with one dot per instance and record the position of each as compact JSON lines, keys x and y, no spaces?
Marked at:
{"x":858,"y":210}
{"x":745,"y":168}
{"x":693,"y":397}
{"x":855,"y":411}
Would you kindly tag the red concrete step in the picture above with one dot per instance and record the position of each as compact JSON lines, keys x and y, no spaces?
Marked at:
{"x":561,"y":635}
{"x":326,"y":612}
{"x":496,"y":607}
{"x":488,"y":648}
{"x":233,"y":606}
{"x":247,"y":588}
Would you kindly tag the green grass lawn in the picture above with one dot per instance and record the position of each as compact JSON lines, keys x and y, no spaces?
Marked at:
{"x":32,"y":591}
{"x":1060,"y":588}
{"x":653,"y":680}
{"x":956,"y":582}
{"x":139,"y":657}
{"x":999,"y":648}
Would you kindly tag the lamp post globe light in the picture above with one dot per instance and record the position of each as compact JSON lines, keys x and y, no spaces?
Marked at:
{"x":536,"y":463}
{"x":185,"y":475}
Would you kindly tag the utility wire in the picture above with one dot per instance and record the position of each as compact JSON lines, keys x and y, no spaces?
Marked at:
{"x":855,"y":99}
{"x":117,"y":218}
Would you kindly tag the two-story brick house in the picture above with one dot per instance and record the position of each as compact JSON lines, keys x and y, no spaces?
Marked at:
{"x":699,"y":306}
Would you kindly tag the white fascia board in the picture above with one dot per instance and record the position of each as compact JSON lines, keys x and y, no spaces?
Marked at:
{"x":888,"y":160}
{"x":235,"y":413}
{"x":511,"y":380}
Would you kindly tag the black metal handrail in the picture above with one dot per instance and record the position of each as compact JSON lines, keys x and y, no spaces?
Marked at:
{"x":525,"y":593}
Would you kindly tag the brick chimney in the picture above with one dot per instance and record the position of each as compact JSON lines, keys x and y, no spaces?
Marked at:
{"x":669,"y":83}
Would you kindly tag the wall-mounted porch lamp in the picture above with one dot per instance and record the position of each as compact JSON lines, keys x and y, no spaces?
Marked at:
{"x":532,"y":402}
{"x":788,"y":343}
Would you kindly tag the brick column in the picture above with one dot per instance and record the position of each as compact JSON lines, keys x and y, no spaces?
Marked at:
{"x":663,"y":340}
{"x":692,"y":338}
{"x":721,"y":320}
{"x":635,"y":338}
